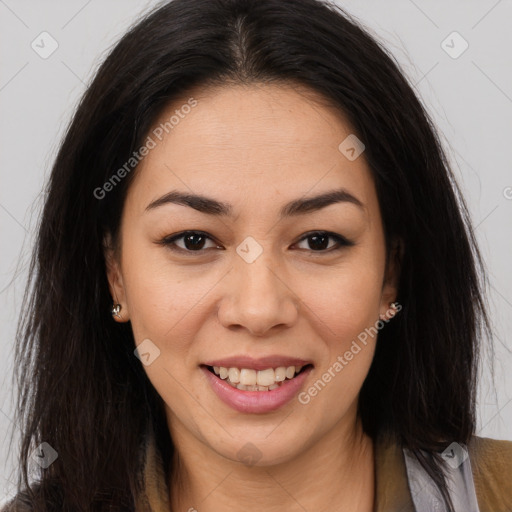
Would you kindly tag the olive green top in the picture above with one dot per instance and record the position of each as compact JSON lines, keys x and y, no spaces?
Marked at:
{"x":490,"y":462}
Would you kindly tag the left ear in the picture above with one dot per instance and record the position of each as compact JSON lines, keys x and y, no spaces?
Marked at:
{"x":115,"y":279}
{"x":391,"y":277}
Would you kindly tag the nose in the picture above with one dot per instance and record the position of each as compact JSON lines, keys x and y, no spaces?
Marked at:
{"x":258,"y":298}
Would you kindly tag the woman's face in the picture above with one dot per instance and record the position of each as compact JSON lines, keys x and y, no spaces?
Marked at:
{"x":258,"y":281}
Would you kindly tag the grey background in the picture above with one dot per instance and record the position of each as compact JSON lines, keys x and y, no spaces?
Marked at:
{"x":469,"y":97}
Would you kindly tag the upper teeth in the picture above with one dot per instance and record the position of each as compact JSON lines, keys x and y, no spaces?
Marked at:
{"x":249,"y":377}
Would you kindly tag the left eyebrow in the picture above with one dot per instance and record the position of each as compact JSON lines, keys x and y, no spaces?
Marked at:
{"x":296,"y":207}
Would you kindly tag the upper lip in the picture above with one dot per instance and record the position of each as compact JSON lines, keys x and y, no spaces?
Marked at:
{"x":260,"y":363}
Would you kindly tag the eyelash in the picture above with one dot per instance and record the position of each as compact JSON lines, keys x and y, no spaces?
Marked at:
{"x":169,"y":241}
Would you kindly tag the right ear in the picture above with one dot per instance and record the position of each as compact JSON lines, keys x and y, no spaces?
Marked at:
{"x":115,"y":278}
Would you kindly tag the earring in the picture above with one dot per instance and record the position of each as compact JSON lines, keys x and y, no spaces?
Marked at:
{"x":115,"y":310}
{"x":394,"y":307}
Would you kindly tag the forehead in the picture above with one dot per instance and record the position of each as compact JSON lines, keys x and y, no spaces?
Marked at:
{"x":244,"y":143}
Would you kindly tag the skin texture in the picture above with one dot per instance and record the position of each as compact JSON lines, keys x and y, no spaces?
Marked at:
{"x":257,"y":147}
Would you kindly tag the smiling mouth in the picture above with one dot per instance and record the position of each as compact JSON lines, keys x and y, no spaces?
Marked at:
{"x":247,"y":379}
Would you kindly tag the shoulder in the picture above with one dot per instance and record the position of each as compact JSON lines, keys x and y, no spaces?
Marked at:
{"x":491,"y":464}
{"x":490,"y":455}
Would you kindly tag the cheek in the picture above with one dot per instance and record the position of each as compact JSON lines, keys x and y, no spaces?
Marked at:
{"x":167,"y":302}
{"x":345,"y":312}
{"x":165,"y":309}
{"x":346,"y":323}
{"x":348,"y":300}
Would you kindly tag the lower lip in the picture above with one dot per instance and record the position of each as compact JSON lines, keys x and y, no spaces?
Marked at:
{"x":256,"y":401}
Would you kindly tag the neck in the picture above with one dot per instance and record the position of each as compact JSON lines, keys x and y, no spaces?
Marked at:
{"x":335,"y":473}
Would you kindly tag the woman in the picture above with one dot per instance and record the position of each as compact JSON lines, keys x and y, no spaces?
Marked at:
{"x":189,"y":342}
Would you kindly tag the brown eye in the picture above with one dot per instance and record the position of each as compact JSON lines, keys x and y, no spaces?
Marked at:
{"x":319,"y":241}
{"x":193,"y":241}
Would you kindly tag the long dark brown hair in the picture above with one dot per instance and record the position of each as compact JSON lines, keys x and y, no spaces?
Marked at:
{"x":80,"y":387}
